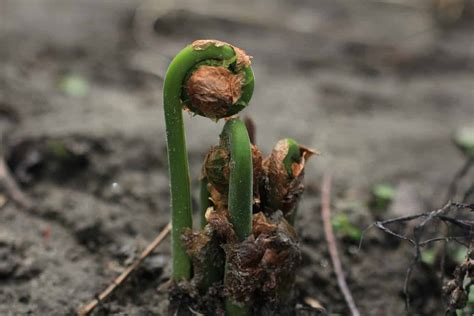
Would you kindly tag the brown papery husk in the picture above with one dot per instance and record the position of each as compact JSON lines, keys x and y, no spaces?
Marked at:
{"x":213,"y":90}
{"x":204,"y":248}
{"x":281,"y":189}
{"x":243,"y":60}
{"x":218,"y":222}
{"x":261,"y":269}
{"x":217,"y":171}
{"x":216,"y":168}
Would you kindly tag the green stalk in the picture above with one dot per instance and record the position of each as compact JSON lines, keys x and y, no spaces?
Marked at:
{"x":236,"y":137}
{"x":182,"y":64}
{"x":241,"y":179}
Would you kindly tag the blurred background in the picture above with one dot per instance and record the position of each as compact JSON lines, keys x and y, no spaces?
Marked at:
{"x":379,"y":87}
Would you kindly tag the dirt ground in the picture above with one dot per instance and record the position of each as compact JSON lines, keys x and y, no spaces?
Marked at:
{"x":378,"y":87}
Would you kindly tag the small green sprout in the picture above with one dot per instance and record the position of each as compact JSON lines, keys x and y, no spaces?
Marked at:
{"x":74,"y":85}
{"x":428,"y":256}
{"x":343,"y":226}
{"x":456,"y":254}
{"x":382,"y":196}
{"x":464,"y":140}
{"x":459,"y":254}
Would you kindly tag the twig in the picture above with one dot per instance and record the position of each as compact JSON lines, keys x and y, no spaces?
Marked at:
{"x":427,"y":217}
{"x":89,"y":307}
{"x":331,"y":240}
{"x":11,"y":187}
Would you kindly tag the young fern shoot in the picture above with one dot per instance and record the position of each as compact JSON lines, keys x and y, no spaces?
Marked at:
{"x":240,"y":198}
{"x":285,"y":171}
{"x":202,"y":94}
{"x":235,"y":136}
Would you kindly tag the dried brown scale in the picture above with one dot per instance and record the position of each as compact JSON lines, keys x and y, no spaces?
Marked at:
{"x":218,"y":222}
{"x":250,"y":253}
{"x":218,"y":199}
{"x":243,"y":272}
{"x":195,"y":241}
{"x":276,"y":176}
{"x":271,"y":258}
{"x":282,"y":188}
{"x":242,"y":59}
{"x":264,"y":264}
{"x":203,"y":44}
{"x":213,"y":90}
{"x":260,"y":225}
{"x":216,"y":168}
{"x":203,"y":245}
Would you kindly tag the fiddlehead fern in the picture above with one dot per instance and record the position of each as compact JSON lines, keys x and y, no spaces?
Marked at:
{"x":228,"y":169}
{"x":285,"y":171}
{"x":225,"y":90}
{"x":236,"y":138}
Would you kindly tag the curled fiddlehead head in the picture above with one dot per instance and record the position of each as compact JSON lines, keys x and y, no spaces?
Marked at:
{"x":214,"y":78}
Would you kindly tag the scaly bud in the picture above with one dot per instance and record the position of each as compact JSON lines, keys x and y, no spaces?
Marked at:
{"x":284,"y":170}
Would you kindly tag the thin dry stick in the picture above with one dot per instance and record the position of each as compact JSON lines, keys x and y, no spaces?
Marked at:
{"x":11,"y":187}
{"x":89,"y":307}
{"x":331,"y":240}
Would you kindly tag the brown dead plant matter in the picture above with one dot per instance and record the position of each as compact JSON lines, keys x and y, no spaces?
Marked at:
{"x":213,"y":90}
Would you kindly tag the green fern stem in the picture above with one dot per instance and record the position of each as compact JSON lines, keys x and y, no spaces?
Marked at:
{"x":181,"y":66}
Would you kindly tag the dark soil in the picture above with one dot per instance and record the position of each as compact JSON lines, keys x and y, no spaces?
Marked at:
{"x":377,"y":87}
